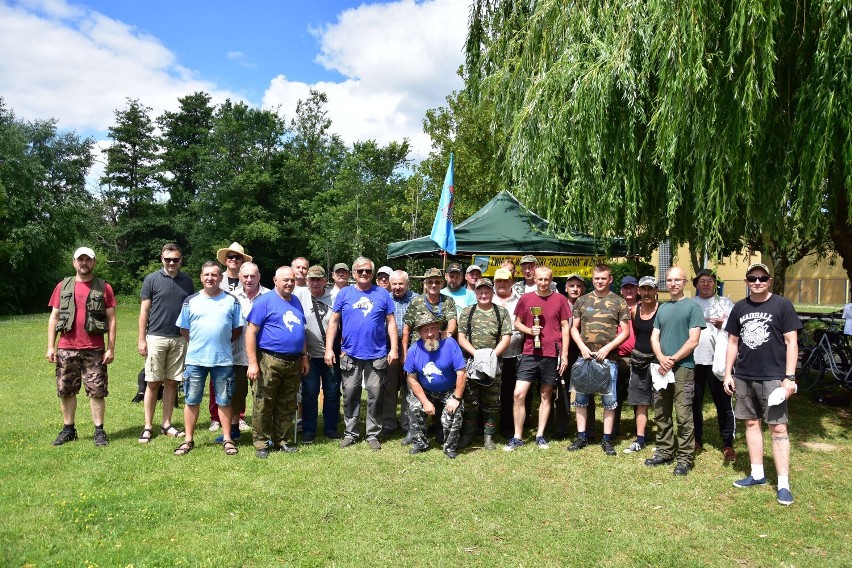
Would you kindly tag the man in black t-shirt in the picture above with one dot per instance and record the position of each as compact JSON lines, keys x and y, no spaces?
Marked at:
{"x":761,"y":358}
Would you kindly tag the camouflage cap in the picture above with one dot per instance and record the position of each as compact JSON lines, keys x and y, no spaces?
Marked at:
{"x":648,"y":281}
{"x":425,"y":318}
{"x":432,"y":273}
{"x":529,"y":258}
{"x":316,"y":271}
{"x":575,"y":276}
{"x":484,"y":282}
{"x":340,"y":266}
{"x":454,"y":267}
{"x":757,"y":265}
{"x":473,"y":267}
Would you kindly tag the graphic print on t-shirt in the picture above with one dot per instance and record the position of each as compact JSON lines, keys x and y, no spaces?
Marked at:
{"x":431,"y":371}
{"x":755,"y":329}
{"x":290,"y":318}
{"x":365,"y":305}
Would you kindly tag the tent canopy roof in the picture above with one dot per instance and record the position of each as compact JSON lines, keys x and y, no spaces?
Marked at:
{"x":505,"y":226}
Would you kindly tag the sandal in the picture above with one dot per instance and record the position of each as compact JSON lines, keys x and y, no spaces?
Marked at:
{"x":146,"y":436}
{"x":172,"y":432}
{"x":230,"y":448}
{"x":185,"y":448}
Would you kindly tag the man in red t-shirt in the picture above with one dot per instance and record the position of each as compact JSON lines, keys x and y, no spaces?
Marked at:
{"x":82,"y":312}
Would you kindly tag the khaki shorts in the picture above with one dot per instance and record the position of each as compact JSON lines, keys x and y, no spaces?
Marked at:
{"x":76,"y":367}
{"x":752,"y":397}
{"x":165,"y":358}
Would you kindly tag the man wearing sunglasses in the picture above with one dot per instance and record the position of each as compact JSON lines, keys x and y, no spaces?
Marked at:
{"x":762,"y":351}
{"x":366,"y":313}
{"x":232,"y":258}
{"x":160,"y":340}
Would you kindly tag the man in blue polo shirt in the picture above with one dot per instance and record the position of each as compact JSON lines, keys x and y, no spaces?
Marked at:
{"x":367,"y":316}
{"x":278,"y":357}
{"x":160,"y":341}
{"x":209,"y":320}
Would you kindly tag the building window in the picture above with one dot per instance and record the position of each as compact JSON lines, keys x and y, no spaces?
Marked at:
{"x":665,"y":262}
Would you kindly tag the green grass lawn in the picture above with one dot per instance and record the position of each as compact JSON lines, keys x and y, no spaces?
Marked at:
{"x":134,"y":505}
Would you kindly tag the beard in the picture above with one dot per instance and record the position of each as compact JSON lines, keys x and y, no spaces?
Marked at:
{"x":431,"y":345}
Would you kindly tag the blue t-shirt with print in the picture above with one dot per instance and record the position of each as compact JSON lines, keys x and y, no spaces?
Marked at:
{"x":210,"y":321}
{"x":436,"y":370}
{"x":281,"y":323}
{"x":363,"y":315}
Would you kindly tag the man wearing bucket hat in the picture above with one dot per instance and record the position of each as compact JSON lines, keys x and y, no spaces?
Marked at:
{"x":435,"y":369}
{"x":762,"y":351}
{"x":82,"y":311}
{"x":484,"y":327}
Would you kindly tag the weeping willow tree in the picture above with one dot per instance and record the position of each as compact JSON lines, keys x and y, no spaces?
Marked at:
{"x":706,"y":122}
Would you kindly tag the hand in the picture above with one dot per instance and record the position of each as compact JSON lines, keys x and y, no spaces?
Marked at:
{"x":329,"y":357}
{"x":601,"y":354}
{"x":789,"y":386}
{"x":108,"y":357}
{"x":717,"y":322}
{"x":563,"y":364}
{"x":729,"y":385}
{"x":142,"y":347}
{"x":306,"y":366}
{"x":585,"y":352}
{"x":452,"y":405}
{"x":536,"y":330}
{"x":667,"y":364}
{"x":429,"y":408}
{"x":51,"y":354}
{"x":393,"y":356}
{"x":253,"y":372}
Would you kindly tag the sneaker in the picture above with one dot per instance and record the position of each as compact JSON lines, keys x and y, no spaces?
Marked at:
{"x":450,"y":453}
{"x":578,"y":444}
{"x":541,"y":442}
{"x":785,"y":497}
{"x":634,"y":447}
{"x":139,"y":397}
{"x":656,"y":460}
{"x":374,"y":444}
{"x":749,"y":482}
{"x":346,"y":442}
{"x":608,"y":448}
{"x":214,"y":426}
{"x":244,"y":427}
{"x":681,"y":469}
{"x":729,"y":454}
{"x":513,"y":444}
{"x":65,"y":435}
{"x":101,"y":437}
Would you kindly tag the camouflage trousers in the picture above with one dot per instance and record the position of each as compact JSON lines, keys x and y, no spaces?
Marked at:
{"x":275,"y":400}
{"x":478,"y":398}
{"x":451,"y":423}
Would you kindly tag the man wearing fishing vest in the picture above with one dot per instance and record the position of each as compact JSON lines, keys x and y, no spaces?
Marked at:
{"x":485,"y":331}
{"x":82,"y":311}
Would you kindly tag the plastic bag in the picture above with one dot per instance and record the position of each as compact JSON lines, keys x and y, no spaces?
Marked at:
{"x":720,"y":353}
{"x":590,"y":376}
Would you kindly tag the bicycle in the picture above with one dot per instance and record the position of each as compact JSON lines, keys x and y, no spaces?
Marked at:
{"x":830,"y":352}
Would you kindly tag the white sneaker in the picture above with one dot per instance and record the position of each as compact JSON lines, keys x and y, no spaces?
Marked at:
{"x":244,"y":427}
{"x":214,"y":426}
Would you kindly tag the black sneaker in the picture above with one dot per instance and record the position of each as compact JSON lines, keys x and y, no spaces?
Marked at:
{"x":101,"y":437}
{"x":608,"y":448}
{"x":578,"y":444}
{"x":658,"y":460}
{"x":65,"y":435}
{"x":140,"y":396}
{"x":681,"y":469}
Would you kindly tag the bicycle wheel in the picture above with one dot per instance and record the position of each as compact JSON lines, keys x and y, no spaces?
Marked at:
{"x":811,"y":370}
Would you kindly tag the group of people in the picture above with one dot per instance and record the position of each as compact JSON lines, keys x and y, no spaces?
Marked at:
{"x":467,"y":352}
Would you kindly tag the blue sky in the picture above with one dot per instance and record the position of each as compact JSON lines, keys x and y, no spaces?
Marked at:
{"x":381,"y":63}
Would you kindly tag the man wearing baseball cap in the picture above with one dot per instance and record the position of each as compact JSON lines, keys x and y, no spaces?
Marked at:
{"x":456,"y":288}
{"x":762,"y":352}
{"x":82,"y":311}
{"x":341,"y":278}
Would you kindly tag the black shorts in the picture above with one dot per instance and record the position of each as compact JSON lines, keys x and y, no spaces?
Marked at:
{"x":537,"y":367}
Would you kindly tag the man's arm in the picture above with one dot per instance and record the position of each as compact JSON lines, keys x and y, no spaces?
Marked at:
{"x":655,"y":346}
{"x":235,"y":333}
{"x":623,"y":334}
{"x":185,"y":333}
{"x":51,"y":335}
{"x":691,"y":343}
{"x":792,"y":344}
{"x":251,"y":351}
{"x":393,"y":354}
{"x":144,"y":312}
{"x":330,"y":335}
{"x":417,"y":390}
{"x":406,"y":338}
{"x":465,"y":344}
{"x":452,"y":327}
{"x":109,"y":354}
{"x":503,"y":345}
{"x":566,"y":341}
{"x":585,"y":352}
{"x":454,"y":401}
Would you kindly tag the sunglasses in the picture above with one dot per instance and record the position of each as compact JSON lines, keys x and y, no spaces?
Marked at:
{"x":753,"y":279}
{"x":234,"y":257}
{"x":364,"y":271}
{"x":171,"y":260}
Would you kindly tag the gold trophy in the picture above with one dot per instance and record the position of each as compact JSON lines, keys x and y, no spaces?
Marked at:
{"x":536,"y":311}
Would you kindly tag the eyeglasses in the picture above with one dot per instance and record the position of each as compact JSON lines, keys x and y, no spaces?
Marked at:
{"x":675,"y":280}
{"x":382,"y":276}
{"x":762,"y":278}
{"x":364,"y":270}
{"x":234,"y":257}
{"x":171,"y":260}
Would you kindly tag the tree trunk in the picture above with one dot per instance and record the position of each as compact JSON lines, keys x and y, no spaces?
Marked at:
{"x":841,"y":231}
{"x":779,"y":276}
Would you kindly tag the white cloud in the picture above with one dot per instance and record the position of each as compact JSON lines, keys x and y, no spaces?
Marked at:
{"x":78,"y":66}
{"x":399,"y":60}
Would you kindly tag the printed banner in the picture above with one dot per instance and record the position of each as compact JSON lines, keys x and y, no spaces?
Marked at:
{"x":562,"y":266}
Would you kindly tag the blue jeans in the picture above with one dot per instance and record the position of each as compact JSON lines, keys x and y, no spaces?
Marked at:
{"x":320,"y":372}
{"x":609,"y":401}
{"x":222,"y":379}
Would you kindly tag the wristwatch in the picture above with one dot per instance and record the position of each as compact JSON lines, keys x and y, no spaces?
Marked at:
{"x":454,"y":397}
{"x":790,"y":377}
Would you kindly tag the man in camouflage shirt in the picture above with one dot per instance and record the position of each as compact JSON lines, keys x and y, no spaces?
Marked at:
{"x":601,"y":324}
{"x":432,"y":301}
{"x":483,"y":326}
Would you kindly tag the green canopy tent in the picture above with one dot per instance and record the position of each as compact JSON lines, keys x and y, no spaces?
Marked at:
{"x":505,"y":227}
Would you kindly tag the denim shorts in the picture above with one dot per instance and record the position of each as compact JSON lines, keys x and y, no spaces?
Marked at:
{"x":196,"y":376}
{"x":609,"y":401}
